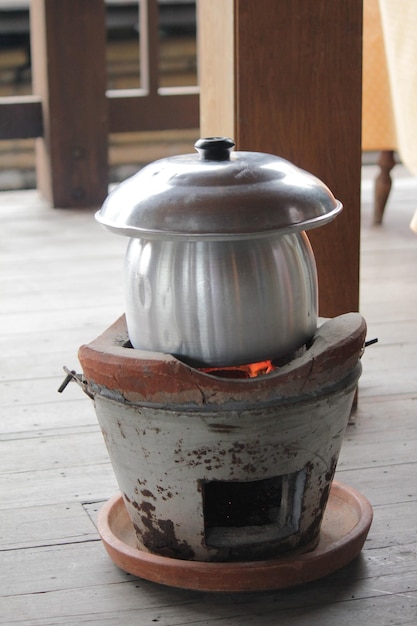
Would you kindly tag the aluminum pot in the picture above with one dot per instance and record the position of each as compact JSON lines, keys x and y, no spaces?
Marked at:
{"x":221,"y":302}
{"x":219,"y":270}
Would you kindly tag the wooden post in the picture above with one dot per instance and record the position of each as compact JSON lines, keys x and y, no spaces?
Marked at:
{"x":285,"y":78}
{"x":69,"y":74}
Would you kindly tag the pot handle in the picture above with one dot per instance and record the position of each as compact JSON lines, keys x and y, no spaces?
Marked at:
{"x":71,"y":375}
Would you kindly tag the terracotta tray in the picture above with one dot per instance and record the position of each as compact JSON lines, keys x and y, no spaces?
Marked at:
{"x":345,"y":526}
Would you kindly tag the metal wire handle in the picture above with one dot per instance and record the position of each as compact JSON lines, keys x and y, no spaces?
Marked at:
{"x":71,"y":375}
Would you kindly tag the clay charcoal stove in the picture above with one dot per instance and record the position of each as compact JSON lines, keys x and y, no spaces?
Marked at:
{"x":222,"y":398}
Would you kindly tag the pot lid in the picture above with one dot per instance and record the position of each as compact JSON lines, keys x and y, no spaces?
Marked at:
{"x":218,"y":193}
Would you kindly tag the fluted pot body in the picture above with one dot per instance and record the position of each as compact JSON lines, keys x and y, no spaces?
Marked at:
{"x":224,"y":302}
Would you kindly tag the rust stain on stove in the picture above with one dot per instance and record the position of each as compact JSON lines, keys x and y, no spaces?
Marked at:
{"x":158,"y":535}
{"x":222,"y":428}
{"x":146,"y":507}
{"x":165,"y":494}
{"x":330,"y":473}
{"x":121,"y":429}
{"x":249,"y":468}
{"x":324,"y":497}
{"x":198,"y":454}
{"x":147,"y":494}
{"x":238,"y":446}
{"x":161,"y":539}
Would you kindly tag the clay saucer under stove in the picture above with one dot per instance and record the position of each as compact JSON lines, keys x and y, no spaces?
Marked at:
{"x":345,"y":526}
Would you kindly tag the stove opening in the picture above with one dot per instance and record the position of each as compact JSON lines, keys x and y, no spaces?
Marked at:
{"x":253,"y":370}
{"x":260,"y":510}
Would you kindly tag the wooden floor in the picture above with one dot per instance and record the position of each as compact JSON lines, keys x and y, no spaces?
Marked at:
{"x":60,"y":287}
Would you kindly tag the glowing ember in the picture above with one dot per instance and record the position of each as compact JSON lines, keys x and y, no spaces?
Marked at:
{"x":250,"y":370}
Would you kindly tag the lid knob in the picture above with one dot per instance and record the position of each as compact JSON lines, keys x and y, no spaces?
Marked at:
{"x":214,"y":148}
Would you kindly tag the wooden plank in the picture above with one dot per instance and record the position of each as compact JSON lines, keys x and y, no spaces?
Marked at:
{"x":216,"y":65}
{"x":391,"y":526}
{"x":380,"y":594}
{"x":398,"y":264}
{"x":397,"y":411}
{"x":60,"y":451}
{"x":44,"y":364}
{"x":79,"y":483}
{"x":388,"y":485}
{"x":60,"y":297}
{"x":390,"y":332}
{"x":405,"y":357}
{"x":131,"y":111}
{"x":49,"y":341}
{"x":31,"y":390}
{"x":71,"y":81}
{"x":20,"y":117}
{"x":389,"y":369}
{"x":86,"y":323}
{"x":399,"y":311}
{"x":310,"y":61}
{"x":379,"y":450}
{"x":27,"y":527}
{"x":389,"y":382}
{"x":36,"y":418}
{"x":234,"y":610}
{"x":149,"y":46}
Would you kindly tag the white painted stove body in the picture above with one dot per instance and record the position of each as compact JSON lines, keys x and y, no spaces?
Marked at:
{"x":164,"y":461}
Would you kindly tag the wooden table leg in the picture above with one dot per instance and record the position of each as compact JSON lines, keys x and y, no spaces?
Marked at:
{"x":383,"y":183}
